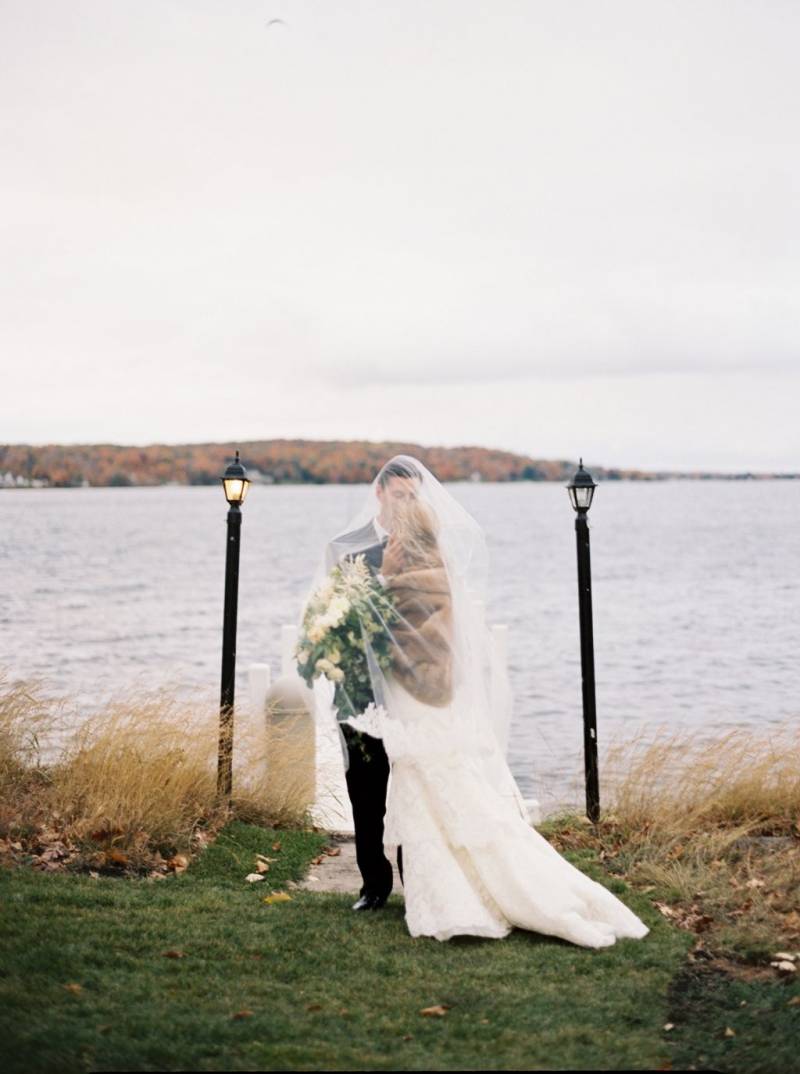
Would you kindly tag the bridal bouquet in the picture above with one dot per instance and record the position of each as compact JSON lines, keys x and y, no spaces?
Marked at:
{"x":349,"y":609}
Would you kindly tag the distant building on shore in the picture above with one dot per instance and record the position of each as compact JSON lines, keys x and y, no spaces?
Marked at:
{"x":17,"y":481}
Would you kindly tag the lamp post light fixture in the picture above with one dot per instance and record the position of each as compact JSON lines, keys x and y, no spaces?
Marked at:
{"x":235,"y":482}
{"x":581,"y":492}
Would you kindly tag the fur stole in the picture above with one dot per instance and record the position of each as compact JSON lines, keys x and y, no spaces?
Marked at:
{"x":422,"y":639}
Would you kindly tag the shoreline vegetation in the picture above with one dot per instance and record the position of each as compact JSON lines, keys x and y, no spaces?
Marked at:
{"x":103,"y":968}
{"x":317,"y":462}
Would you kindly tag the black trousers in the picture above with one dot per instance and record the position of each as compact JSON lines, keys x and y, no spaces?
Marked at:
{"x":367,"y":779}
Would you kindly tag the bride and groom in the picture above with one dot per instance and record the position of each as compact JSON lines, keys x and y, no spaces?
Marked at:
{"x":425,"y":770}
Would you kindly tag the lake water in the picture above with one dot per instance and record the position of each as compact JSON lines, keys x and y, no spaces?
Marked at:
{"x":696,"y":593}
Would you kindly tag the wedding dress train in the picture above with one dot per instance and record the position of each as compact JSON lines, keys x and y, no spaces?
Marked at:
{"x":472,"y":864}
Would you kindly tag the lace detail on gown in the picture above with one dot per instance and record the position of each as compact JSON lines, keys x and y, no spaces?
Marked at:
{"x":471,"y":863}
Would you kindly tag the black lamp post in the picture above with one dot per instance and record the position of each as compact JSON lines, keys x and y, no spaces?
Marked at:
{"x":235,"y":483}
{"x":581,"y":490}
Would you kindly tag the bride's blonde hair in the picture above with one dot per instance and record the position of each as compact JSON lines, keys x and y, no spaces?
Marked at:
{"x":413,"y":543}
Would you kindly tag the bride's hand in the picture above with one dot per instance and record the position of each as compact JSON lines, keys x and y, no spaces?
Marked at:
{"x":392,"y":562}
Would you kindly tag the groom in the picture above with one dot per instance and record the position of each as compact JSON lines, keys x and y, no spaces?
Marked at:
{"x":368,"y":776}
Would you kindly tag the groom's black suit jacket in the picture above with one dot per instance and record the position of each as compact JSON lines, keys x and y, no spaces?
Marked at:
{"x":366,"y":535}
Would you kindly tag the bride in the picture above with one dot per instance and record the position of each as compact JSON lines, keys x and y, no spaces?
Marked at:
{"x":472,"y":863}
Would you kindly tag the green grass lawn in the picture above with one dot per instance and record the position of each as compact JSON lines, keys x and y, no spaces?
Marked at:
{"x":325,"y":988}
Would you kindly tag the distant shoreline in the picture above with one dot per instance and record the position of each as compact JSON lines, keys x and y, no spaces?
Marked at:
{"x":299,"y":462}
{"x":464,"y":481}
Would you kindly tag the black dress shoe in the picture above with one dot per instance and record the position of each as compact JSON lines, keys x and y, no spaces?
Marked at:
{"x":370,"y":902}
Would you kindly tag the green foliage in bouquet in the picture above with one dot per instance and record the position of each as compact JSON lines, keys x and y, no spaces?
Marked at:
{"x":350,"y":605}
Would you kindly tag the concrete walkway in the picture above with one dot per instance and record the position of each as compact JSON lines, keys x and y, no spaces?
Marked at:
{"x":335,"y":869}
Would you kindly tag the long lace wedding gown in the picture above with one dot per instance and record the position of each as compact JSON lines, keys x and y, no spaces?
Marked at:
{"x":471,"y":863}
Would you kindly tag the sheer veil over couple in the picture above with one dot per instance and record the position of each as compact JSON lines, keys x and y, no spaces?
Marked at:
{"x":424,"y":731}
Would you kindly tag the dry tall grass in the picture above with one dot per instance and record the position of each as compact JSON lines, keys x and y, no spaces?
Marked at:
{"x":138,"y":776}
{"x":713,"y":823}
{"x":671,"y":782}
{"x":25,"y":719}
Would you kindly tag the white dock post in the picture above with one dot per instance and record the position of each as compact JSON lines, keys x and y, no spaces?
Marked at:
{"x":248,"y":739}
{"x":500,"y":687}
{"x":502,"y":702}
{"x":288,"y":641}
{"x":259,"y":678}
{"x":331,"y":803}
{"x":499,"y":633}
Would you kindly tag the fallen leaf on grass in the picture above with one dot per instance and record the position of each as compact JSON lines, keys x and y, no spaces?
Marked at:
{"x":794,"y":1002}
{"x":241,"y":1015}
{"x":784,"y":967}
{"x":313,"y":1006}
{"x":178,"y":864}
{"x":276,"y":845}
{"x":251,"y":878}
{"x":699,"y":922}
{"x":59,"y":850}
{"x":669,"y":1025}
{"x":102,"y":834}
{"x":754,"y":882}
{"x":785,"y":956}
{"x":116,"y":857}
{"x":667,"y":911}
{"x":262,"y":866}
{"x":437,"y":1011}
{"x":730,"y":1032}
{"x":173,"y":954}
{"x":74,"y":988}
{"x":277,"y":896}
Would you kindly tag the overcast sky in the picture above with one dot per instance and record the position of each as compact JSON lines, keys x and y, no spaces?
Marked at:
{"x":559,"y":228}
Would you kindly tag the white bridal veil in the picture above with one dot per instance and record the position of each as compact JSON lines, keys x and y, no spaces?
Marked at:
{"x":431,"y":557}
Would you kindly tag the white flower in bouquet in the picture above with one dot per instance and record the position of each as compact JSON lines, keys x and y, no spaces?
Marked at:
{"x":317,"y":631}
{"x":337,"y":610}
{"x":326,"y":591}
